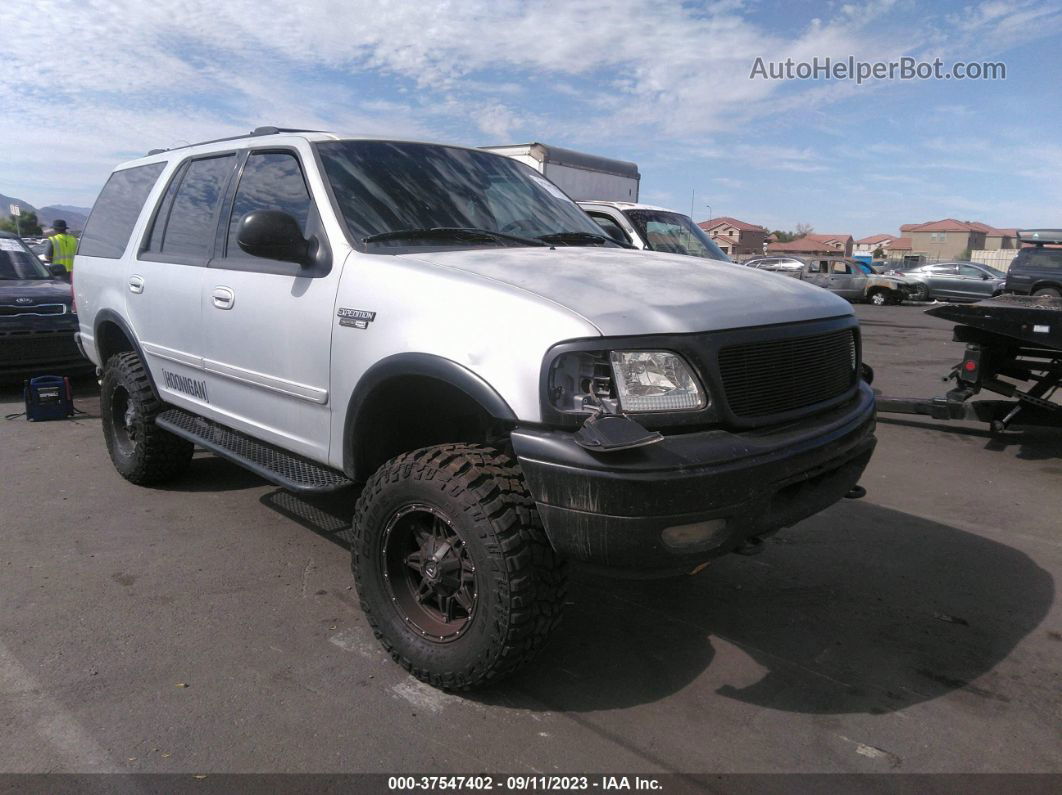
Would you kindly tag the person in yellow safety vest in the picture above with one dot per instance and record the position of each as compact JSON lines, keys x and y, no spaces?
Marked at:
{"x":61,"y":246}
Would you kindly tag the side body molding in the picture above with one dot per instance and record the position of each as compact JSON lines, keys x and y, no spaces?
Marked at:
{"x":418,"y":364}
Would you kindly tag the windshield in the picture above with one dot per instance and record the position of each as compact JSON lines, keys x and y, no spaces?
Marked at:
{"x":18,"y":262}
{"x":386,"y":188}
{"x":674,"y":233}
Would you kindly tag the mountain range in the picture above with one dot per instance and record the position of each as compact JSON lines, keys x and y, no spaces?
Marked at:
{"x":75,"y":217}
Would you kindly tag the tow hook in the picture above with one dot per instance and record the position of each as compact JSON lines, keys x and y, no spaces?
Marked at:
{"x":856,"y":493}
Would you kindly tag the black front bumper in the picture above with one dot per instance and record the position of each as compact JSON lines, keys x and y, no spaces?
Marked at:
{"x":44,"y":346}
{"x":611,"y":509}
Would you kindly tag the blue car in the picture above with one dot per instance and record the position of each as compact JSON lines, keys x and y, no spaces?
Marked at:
{"x":37,"y":320}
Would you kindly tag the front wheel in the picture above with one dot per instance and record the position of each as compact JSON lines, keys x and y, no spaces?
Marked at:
{"x":1049,"y":292}
{"x":878,"y":298}
{"x":452,"y":566}
{"x":920,"y":293}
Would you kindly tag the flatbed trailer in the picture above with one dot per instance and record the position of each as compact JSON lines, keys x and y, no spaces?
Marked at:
{"x":1013,"y":349}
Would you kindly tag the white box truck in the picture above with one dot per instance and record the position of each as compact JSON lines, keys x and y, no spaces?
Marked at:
{"x":582,"y":176}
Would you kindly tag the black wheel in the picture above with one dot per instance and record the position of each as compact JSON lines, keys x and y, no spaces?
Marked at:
{"x":452,"y":566}
{"x":878,"y":298}
{"x":920,"y":293}
{"x":1048,"y":291}
{"x":142,"y":452}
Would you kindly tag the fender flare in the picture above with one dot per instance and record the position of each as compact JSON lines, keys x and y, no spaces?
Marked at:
{"x":424,"y":365}
{"x":110,"y":316}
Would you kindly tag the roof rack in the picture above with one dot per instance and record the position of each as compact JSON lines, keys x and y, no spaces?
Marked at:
{"x":1040,"y":236}
{"x":257,"y":131}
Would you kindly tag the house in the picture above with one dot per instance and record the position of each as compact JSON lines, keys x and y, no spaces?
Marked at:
{"x":869,"y":245}
{"x":952,"y":239}
{"x":734,"y":237}
{"x":815,"y":245}
{"x":998,"y":239}
{"x":898,"y":249}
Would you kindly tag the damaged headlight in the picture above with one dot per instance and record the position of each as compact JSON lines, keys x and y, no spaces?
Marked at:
{"x":615,"y":381}
{"x":655,"y":381}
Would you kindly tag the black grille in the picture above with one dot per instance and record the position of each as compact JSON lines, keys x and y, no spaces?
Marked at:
{"x":38,"y":348}
{"x":8,"y":310}
{"x":766,"y":378}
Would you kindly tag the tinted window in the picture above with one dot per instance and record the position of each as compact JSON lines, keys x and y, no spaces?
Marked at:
{"x":158,"y":224}
{"x":612,"y":229}
{"x":1040,"y":258}
{"x":190,"y":228}
{"x":945,"y":269}
{"x":270,"y":181}
{"x":967,"y":270}
{"x":18,"y":262}
{"x":116,"y":210}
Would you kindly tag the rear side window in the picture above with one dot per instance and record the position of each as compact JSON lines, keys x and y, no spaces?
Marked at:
{"x":1049,"y":258}
{"x":116,"y":210}
{"x":192,"y":215}
{"x":270,"y":181}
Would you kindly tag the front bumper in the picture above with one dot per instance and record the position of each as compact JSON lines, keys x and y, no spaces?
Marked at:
{"x":611,"y":509}
{"x":43,"y":347}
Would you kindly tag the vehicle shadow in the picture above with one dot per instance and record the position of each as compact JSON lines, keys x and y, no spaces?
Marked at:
{"x":861,"y":609}
{"x":208,"y":473}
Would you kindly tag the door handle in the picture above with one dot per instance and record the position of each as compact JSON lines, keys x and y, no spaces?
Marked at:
{"x":136,"y":284}
{"x":223,"y":297}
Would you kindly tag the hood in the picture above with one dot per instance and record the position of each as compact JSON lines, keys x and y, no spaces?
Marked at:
{"x":621,"y":291}
{"x":39,"y":291}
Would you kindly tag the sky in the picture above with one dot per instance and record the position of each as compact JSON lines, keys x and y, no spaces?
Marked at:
{"x":87,"y":84}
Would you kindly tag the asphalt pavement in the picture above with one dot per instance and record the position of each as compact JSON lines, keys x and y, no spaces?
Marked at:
{"x":211,"y":626}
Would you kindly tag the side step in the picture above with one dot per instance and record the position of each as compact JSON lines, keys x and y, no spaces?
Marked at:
{"x":278,"y":466}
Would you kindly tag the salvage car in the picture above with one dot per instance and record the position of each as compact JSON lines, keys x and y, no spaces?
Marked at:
{"x":37,"y":320}
{"x":428,"y":321}
{"x":848,"y":278}
{"x":951,"y":281}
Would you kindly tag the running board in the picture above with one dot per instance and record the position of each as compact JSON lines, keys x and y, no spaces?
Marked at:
{"x":280,"y":467}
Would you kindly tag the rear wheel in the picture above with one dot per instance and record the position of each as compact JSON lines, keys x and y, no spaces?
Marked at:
{"x":142,"y":452}
{"x":1048,"y":291}
{"x":452,"y":566}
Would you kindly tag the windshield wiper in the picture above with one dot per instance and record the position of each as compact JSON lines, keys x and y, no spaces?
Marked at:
{"x":459,"y":232}
{"x":581,"y":237}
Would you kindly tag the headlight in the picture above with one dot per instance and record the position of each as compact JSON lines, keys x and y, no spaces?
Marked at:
{"x":655,"y":381}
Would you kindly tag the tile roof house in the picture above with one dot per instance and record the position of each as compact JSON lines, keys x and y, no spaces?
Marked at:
{"x":813,"y":245}
{"x":735,"y":237}
{"x":951,"y":239}
{"x":871,"y":244}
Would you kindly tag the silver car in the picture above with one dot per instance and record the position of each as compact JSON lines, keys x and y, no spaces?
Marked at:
{"x":953,"y":281}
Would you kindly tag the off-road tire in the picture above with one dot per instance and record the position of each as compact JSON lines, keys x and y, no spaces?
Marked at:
{"x":142,"y":452}
{"x":1049,"y":291}
{"x":520,"y":581}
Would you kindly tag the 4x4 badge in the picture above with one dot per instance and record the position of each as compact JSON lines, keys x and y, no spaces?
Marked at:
{"x":355,"y":318}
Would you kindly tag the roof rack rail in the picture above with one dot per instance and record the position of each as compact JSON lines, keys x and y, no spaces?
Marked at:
{"x":257,"y":131}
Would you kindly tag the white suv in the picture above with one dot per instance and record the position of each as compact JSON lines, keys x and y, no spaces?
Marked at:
{"x":447,"y":328}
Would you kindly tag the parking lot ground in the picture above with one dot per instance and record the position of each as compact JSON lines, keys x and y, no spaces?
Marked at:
{"x":210,"y":626}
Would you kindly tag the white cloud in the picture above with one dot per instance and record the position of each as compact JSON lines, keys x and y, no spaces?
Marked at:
{"x":132,"y":75}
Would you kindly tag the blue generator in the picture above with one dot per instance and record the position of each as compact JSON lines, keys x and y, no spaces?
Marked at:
{"x":48,"y":397}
